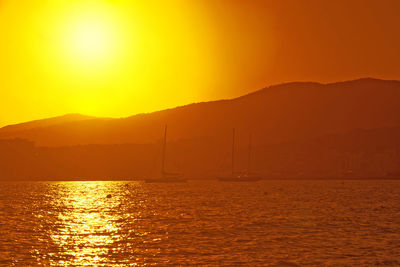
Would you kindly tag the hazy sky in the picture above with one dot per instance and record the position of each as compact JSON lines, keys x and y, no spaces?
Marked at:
{"x":117,"y":58}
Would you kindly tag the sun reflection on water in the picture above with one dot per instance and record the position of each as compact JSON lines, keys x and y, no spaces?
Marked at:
{"x":201,"y":223}
{"x":90,"y":219}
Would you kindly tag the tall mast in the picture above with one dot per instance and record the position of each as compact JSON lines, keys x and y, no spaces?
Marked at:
{"x":249,"y":156}
{"x":233,"y":152}
{"x":163,"y":151}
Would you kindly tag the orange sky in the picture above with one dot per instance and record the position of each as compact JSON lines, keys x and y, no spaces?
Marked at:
{"x":118,"y":58}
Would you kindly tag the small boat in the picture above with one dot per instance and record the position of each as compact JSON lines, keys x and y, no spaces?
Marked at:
{"x":167,"y":180}
{"x":165,"y":176}
{"x":240,"y":177}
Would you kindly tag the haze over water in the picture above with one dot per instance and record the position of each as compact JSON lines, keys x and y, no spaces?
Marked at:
{"x":309,"y":223}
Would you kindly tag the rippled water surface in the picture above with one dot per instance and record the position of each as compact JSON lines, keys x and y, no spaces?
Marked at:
{"x":308,"y":223}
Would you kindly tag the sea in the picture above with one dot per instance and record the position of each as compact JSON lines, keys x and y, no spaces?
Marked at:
{"x":200,"y":223}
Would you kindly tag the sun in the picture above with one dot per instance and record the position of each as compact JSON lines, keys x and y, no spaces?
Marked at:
{"x":93,"y":36}
{"x":92,"y":40}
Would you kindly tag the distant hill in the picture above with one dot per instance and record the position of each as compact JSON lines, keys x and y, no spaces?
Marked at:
{"x":45,"y":122}
{"x":277,"y":114}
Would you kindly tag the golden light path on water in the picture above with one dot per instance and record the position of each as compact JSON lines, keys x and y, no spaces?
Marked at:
{"x":84,"y":226}
{"x":203,"y":223}
{"x":90,"y":222}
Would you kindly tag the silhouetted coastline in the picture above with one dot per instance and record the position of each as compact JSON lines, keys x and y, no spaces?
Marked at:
{"x":315,"y":132}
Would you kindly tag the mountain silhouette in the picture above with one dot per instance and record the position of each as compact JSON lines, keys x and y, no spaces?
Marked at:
{"x":276,"y":114}
{"x":300,"y":131}
{"x":45,"y":122}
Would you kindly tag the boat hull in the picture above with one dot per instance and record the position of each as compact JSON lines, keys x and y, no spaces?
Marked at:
{"x":166,"y":180}
{"x":239,"y":179}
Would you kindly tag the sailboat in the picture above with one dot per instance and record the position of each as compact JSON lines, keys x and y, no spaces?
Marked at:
{"x":240,"y":177}
{"x":165,"y":176}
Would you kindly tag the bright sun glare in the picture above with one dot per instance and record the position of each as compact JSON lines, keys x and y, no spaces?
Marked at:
{"x":93,"y":36}
{"x":103,"y":57}
{"x":91,"y":41}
